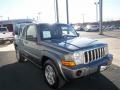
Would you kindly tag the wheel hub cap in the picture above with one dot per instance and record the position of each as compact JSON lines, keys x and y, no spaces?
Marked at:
{"x":50,"y":74}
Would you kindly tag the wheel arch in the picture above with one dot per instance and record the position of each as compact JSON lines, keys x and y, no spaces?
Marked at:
{"x":56,"y":62}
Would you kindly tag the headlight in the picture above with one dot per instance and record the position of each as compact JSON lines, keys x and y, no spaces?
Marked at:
{"x":68,"y":61}
{"x":106,"y":50}
{"x":79,"y":57}
{"x":72,"y":60}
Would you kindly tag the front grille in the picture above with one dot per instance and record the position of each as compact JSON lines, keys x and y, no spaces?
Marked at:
{"x":94,"y":54}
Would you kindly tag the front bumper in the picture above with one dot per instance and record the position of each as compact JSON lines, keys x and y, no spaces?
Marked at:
{"x":86,"y":69}
{"x":7,"y":39}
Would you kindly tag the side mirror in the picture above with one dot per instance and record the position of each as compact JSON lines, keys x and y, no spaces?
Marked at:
{"x":16,"y":32}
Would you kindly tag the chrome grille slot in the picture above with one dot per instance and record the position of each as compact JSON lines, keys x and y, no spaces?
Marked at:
{"x":89,"y":55}
{"x":100,"y":53}
{"x":103,"y":51}
{"x":95,"y":54}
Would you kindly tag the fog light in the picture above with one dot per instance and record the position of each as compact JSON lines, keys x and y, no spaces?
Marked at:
{"x":78,"y":73}
{"x":102,"y":68}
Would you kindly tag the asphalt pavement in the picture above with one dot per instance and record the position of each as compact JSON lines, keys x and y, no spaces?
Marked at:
{"x":26,"y":76}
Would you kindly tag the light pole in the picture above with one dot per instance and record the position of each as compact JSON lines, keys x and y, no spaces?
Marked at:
{"x":96,"y":3}
{"x":101,"y":17}
{"x":67,"y":11}
{"x":56,"y":11}
{"x":38,"y":18}
{"x":1,"y":17}
{"x":8,"y":18}
{"x":83,"y":17}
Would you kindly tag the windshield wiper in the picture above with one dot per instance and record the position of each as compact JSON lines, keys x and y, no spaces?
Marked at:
{"x":68,"y":36}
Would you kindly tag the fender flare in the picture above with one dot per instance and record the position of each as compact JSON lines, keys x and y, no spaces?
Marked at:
{"x":55,"y":59}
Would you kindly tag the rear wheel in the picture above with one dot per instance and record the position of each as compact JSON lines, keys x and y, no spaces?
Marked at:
{"x":2,"y":42}
{"x":19,"y":57}
{"x":52,"y":77}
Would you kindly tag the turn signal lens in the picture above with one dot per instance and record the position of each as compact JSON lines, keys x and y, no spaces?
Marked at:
{"x":68,"y":63}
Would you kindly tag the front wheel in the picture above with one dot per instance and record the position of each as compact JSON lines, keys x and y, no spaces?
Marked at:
{"x":52,"y":77}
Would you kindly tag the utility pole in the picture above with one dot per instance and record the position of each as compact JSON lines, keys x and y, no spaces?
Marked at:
{"x":101,"y":17}
{"x":83,"y":17}
{"x":1,"y":17}
{"x":38,"y":16}
{"x":8,"y":18}
{"x":67,"y":11}
{"x":56,"y":11}
{"x":96,"y":3}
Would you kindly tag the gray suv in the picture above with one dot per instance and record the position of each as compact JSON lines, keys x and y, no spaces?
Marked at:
{"x":61,"y":53}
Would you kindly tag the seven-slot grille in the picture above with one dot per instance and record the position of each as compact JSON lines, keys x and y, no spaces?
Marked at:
{"x":94,"y":54}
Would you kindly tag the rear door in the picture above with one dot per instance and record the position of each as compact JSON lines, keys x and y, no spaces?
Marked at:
{"x":31,"y":46}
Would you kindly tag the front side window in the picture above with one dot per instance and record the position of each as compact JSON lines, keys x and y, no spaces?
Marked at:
{"x":67,"y":30}
{"x":31,"y":34}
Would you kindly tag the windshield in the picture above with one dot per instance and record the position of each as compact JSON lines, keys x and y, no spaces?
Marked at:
{"x":57,"y":31}
{"x":3,"y":29}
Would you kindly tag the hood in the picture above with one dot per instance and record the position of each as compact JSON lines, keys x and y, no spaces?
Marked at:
{"x":6,"y":34}
{"x":76,"y":43}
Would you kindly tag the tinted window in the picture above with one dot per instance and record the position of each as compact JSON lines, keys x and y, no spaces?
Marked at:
{"x":31,"y":33}
{"x":3,"y":29}
{"x":9,"y":27}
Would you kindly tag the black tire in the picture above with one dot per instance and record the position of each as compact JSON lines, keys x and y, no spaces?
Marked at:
{"x":11,"y":41}
{"x":58,"y":80}
{"x":3,"y":42}
{"x":98,"y":71}
{"x":19,"y":56}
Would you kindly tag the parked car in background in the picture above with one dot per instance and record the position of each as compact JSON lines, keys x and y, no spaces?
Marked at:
{"x":110,"y":27}
{"x":76,"y":27}
{"x":91,"y":28}
{"x":5,"y":35}
{"x":61,"y":53}
{"x":79,"y":27}
{"x":117,"y":26}
{"x":11,"y":24}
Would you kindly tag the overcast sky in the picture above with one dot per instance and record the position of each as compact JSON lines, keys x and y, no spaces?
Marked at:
{"x":17,"y":9}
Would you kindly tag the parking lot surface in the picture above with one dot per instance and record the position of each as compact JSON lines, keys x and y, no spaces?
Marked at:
{"x":26,"y":76}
